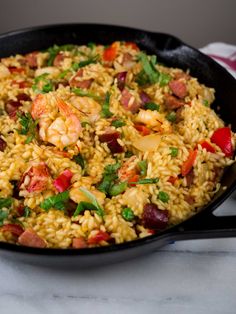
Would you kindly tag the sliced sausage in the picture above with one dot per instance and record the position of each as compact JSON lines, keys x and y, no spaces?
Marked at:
{"x":11,"y":107}
{"x":129,"y":102}
{"x":189,"y":199}
{"x":85,"y":84}
{"x":15,"y":229}
{"x":30,"y":238}
{"x":178,"y":88}
{"x":31,"y":59}
{"x":59,"y":59}
{"x":79,"y":243}
{"x":172,"y":102}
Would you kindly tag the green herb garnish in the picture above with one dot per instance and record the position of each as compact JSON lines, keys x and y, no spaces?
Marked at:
{"x":82,"y":206}
{"x":105,"y":112}
{"x":54,"y":50}
{"x":28,"y":126}
{"x":118,"y":123}
{"x":152,"y":106}
{"x":143,"y":167}
{"x":109,"y":176}
{"x":57,"y":201}
{"x":63,"y":74}
{"x":171,"y":116}
{"x":174,"y":151}
{"x":81,"y":64}
{"x":92,"y":198}
{"x":3,"y":216}
{"x":163,"y":196}
{"x":27,"y":211}
{"x":205,"y":102}
{"x":118,"y":188}
{"x":128,"y":154}
{"x":6,"y":202}
{"x":164,"y":79}
{"x":81,"y":92}
{"x":91,"y":45}
{"x":79,"y":160}
{"x":84,"y":123}
{"x":127,"y":214}
{"x":149,"y":67}
{"x":149,"y":74}
{"x":146,"y":181}
{"x":38,"y":87}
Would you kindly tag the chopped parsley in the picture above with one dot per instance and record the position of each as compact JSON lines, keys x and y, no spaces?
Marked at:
{"x":3,"y":216}
{"x":128,"y":154}
{"x":42,"y":84}
{"x":118,"y":188}
{"x":57,"y":201}
{"x":27,"y":211}
{"x":163,"y":196}
{"x":92,"y":198}
{"x":146,"y":181}
{"x":142,"y":165}
{"x":28,"y":126}
{"x":79,"y":160}
{"x":54,"y":50}
{"x":81,"y":64}
{"x":106,"y":113}
{"x":174,"y":151}
{"x":118,"y":123}
{"x":4,"y":203}
{"x":205,"y":102}
{"x":149,"y":74}
{"x":63,"y":74}
{"x":81,"y":92}
{"x":164,"y":79}
{"x":109,"y":177}
{"x":152,"y":106}
{"x":127,"y":214}
{"x":82,"y":206}
{"x":171,"y":116}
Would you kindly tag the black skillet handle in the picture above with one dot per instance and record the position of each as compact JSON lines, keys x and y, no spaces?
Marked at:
{"x":206,"y":225}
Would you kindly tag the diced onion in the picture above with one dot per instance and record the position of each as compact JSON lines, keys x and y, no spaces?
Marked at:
{"x":148,"y":143}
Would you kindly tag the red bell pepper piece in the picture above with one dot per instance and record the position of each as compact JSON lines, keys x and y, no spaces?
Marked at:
{"x":62,"y":182}
{"x":110,"y":52}
{"x":132,"y":45}
{"x":143,"y":130}
{"x":222,"y":138}
{"x":172,"y":179}
{"x":188,"y":164}
{"x":133,"y":179}
{"x":16,"y":70}
{"x":15,"y":229}
{"x":100,"y":236}
{"x":207,"y":146}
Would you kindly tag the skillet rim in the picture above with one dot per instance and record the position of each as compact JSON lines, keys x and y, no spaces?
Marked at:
{"x":168,"y":234}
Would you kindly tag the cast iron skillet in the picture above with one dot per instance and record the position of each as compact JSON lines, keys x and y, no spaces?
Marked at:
{"x":172,"y":52}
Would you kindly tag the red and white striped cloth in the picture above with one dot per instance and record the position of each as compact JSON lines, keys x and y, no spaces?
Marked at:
{"x":224,"y":54}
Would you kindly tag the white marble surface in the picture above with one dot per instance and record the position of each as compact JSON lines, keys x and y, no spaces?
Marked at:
{"x":189,"y":277}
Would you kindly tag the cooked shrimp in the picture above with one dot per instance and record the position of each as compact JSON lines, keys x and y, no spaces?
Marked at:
{"x":61,"y":128}
{"x":88,"y":106}
{"x":153,"y":119}
{"x":128,"y":169}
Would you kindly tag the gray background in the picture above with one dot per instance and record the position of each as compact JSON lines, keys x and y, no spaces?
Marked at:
{"x":198,"y":22}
